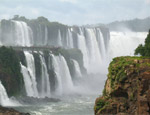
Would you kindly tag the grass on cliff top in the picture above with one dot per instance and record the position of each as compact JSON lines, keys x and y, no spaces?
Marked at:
{"x":119,"y":66}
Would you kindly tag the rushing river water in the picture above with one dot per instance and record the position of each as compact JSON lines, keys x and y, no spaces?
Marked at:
{"x":69,"y":105}
{"x":79,"y":102}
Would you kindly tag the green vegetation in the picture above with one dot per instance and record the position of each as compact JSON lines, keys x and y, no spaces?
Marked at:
{"x":119,"y":68}
{"x":144,"y":50}
{"x":10,"y":74}
{"x":100,"y":105}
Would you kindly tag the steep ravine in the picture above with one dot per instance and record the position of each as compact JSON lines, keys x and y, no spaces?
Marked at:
{"x":127,"y":88}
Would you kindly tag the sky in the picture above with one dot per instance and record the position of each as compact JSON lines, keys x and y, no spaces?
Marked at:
{"x":76,"y":12}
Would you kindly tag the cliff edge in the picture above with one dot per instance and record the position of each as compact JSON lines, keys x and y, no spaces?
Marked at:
{"x":127,"y":88}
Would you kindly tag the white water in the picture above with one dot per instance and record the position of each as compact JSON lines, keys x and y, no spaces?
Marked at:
{"x":59,"y":40}
{"x":31,"y":69}
{"x":102,"y":46}
{"x":27,"y":80}
{"x":76,"y":67}
{"x":82,"y":46}
{"x":46,"y":36}
{"x":23,"y":34}
{"x":63,"y":77}
{"x":69,"y":39}
{"x":94,"y":52}
{"x":4,"y":99}
{"x":56,"y":68}
{"x":45,"y":88}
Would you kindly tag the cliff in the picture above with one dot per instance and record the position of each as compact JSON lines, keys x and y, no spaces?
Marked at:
{"x":42,"y":32}
{"x":15,"y":74}
{"x":127,"y":88}
{"x":11,"y":74}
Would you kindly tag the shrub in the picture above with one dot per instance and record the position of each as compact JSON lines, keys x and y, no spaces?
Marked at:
{"x":144,"y":50}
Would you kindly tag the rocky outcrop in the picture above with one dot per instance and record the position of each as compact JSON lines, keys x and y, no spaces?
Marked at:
{"x":127,"y":89}
{"x":10,"y":74}
{"x":10,"y":111}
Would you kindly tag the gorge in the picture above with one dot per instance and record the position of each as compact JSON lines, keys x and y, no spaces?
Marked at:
{"x":53,"y":60}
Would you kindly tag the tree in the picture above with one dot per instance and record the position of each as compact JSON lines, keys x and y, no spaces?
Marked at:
{"x":144,"y":50}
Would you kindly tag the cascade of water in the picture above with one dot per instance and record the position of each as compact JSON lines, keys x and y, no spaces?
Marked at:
{"x":63,"y":77}
{"x":22,"y":34}
{"x":94,"y":52}
{"x":46,"y":36}
{"x":65,"y":74}
{"x":45,"y":79}
{"x":27,"y":80}
{"x":59,"y":41}
{"x":40,"y":35}
{"x":69,"y":39}
{"x":31,"y":36}
{"x":101,"y":44}
{"x":56,"y":68}
{"x":77,"y":70}
{"x":82,"y":46}
{"x":31,"y":69}
{"x":4,"y":99}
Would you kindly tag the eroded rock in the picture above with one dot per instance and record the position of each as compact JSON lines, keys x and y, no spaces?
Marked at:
{"x":127,"y":89}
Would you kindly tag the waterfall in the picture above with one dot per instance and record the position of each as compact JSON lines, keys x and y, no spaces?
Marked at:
{"x":65,"y":74}
{"x":77,"y":70}
{"x":56,"y":68}
{"x":31,"y":71}
{"x":22,"y":33}
{"x":63,"y":77}
{"x":69,"y":39}
{"x":45,"y":88}
{"x":94,"y":52}
{"x":28,"y":81}
{"x":59,"y":40}
{"x":82,"y":46}
{"x":4,"y":99}
{"x":46,"y":36}
{"x":101,"y":44}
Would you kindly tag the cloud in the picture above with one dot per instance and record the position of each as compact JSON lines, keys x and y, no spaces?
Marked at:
{"x":5,"y":16}
{"x":148,"y":1}
{"x":69,"y":1}
{"x":35,"y":12}
{"x":76,"y":12}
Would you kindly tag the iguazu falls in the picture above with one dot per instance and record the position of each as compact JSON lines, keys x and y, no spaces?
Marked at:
{"x":59,"y":68}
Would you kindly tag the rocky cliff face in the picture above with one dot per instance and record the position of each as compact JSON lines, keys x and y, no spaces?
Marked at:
{"x":127,"y":89}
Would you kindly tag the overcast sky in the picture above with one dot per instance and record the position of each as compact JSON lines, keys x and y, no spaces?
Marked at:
{"x":76,"y":12}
